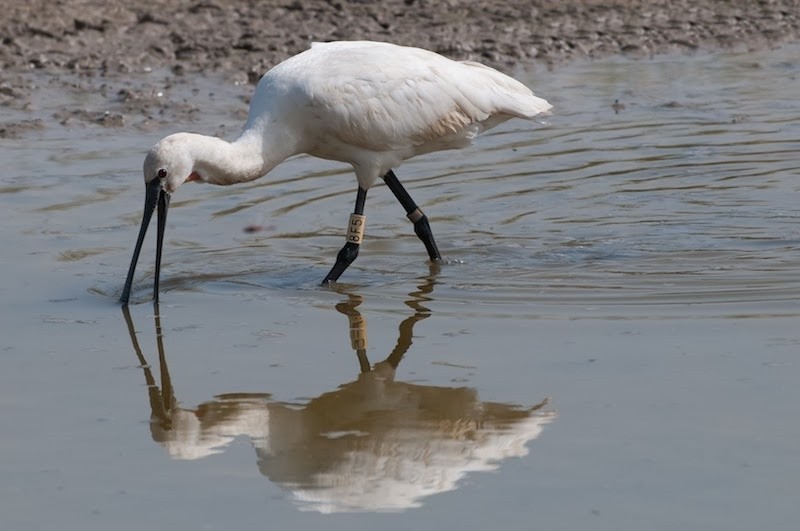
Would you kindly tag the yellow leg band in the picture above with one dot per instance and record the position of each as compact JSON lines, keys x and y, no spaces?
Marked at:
{"x":415,"y":216}
{"x":355,"y":228}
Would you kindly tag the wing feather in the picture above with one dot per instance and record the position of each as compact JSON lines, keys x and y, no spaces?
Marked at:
{"x":383,"y":97}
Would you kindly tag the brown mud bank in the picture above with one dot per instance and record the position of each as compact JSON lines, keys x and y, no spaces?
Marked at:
{"x":97,"y":45}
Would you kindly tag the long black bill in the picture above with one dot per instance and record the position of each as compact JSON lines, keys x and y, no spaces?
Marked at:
{"x":154,"y":197}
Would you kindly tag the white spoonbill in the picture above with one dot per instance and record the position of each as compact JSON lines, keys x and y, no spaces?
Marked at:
{"x":371,"y":104}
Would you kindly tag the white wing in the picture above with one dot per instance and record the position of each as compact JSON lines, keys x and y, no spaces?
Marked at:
{"x":382,"y":97}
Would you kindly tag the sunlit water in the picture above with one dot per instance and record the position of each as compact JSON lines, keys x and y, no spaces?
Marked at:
{"x":634,"y":262}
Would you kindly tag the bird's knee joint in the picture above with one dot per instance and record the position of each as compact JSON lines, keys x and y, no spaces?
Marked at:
{"x":348,"y":253}
{"x":422,"y":226}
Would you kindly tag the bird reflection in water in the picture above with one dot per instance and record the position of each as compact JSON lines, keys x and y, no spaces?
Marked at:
{"x":374,"y":444}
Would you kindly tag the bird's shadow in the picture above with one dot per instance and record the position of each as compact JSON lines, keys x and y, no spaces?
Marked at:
{"x":373,"y":444}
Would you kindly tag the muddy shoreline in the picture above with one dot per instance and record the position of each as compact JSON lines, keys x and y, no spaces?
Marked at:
{"x":113,"y":47}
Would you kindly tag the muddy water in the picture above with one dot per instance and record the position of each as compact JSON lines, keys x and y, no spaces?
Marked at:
{"x":611,"y":342}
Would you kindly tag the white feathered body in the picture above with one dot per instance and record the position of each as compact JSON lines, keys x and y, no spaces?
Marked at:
{"x":374,"y":105}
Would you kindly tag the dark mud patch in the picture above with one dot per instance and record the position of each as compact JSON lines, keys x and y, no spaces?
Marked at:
{"x":114,"y":48}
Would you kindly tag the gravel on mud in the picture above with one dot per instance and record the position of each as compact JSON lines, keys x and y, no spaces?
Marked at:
{"x":113,"y":45}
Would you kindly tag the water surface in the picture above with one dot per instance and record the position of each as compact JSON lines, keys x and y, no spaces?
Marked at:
{"x":611,"y":342}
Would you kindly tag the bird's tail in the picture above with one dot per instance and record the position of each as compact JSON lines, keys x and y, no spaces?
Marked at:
{"x":535,"y":105}
{"x":510,"y":96}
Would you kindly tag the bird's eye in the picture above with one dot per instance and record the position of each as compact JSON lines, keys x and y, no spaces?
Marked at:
{"x":162,"y":173}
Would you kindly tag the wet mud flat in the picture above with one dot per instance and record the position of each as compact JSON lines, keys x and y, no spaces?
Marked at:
{"x":112,"y":49}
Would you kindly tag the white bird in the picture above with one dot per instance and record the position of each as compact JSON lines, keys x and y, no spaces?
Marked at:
{"x":370,"y":104}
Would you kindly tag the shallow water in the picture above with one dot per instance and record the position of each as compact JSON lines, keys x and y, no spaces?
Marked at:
{"x":610,"y":344}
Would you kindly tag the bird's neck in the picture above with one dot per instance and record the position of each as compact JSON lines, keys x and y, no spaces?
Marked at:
{"x":245,"y":159}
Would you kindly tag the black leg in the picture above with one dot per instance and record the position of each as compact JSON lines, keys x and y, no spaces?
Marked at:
{"x":421,"y":226}
{"x":355,"y":233}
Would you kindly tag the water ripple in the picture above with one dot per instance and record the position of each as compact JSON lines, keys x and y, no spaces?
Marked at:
{"x":669,"y":183}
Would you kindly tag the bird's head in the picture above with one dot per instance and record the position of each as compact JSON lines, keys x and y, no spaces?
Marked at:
{"x":170,"y":162}
{"x":167,"y":165}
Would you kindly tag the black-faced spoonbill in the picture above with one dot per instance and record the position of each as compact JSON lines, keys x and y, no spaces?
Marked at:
{"x":371,"y":104}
